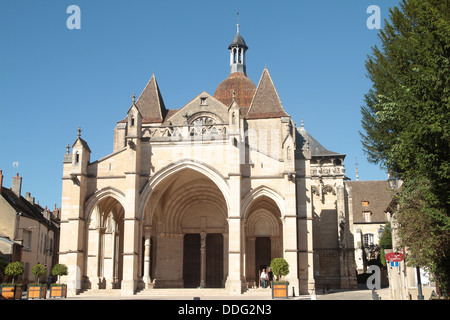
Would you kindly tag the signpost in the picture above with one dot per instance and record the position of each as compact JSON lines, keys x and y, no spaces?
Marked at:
{"x":394,"y":257}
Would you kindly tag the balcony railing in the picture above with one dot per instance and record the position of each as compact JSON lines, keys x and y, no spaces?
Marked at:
{"x":214,"y":131}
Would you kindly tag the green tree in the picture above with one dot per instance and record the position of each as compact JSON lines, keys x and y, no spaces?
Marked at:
{"x":280,"y":267}
{"x":405,"y":122}
{"x":39,"y":270}
{"x":59,"y":270}
{"x":14,"y":269}
{"x":385,"y":242}
{"x":424,"y":230}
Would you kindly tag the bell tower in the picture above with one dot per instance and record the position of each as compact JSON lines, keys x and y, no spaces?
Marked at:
{"x":237,"y":52}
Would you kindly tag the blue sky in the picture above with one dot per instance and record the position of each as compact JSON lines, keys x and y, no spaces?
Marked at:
{"x":53,"y":79}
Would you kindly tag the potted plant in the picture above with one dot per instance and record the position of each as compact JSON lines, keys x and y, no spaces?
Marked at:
{"x":37,"y":290}
{"x":280,"y":268}
{"x":58,"y":289}
{"x":12,"y":290}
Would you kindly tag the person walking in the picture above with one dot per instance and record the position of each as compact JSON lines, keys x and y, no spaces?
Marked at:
{"x":263,"y":278}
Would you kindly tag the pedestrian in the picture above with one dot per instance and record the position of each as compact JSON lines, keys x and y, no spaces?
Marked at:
{"x":270,"y":275}
{"x":263,"y":278}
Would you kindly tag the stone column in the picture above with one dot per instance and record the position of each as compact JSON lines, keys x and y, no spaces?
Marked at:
{"x":202,"y":259}
{"x":235,"y":280}
{"x":251,"y":260}
{"x":147,"y":258}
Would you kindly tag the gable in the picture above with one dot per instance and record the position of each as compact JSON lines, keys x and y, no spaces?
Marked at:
{"x":203,"y":105}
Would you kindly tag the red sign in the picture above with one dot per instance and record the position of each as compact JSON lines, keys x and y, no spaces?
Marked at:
{"x":393,"y":256}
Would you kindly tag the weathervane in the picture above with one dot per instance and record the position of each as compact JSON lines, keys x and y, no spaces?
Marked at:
{"x":238,"y":21}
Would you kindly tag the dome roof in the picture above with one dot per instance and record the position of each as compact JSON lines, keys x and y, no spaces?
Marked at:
{"x":238,"y":41}
{"x":242,"y":86}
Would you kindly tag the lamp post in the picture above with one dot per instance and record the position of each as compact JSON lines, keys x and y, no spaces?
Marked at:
{"x":419,"y":285}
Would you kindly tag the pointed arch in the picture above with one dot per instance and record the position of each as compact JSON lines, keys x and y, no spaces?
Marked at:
{"x":262,"y":191}
{"x":176,"y":167}
{"x":101,"y":194}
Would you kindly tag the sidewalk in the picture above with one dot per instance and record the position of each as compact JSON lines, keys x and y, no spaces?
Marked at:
{"x":361,"y":294}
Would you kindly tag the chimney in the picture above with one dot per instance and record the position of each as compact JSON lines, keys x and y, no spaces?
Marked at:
{"x":29,"y":197}
{"x":16,"y":185}
{"x":1,"y":181}
{"x":56,"y":213}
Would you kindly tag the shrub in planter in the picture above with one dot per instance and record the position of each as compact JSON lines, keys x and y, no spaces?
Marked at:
{"x":12,"y":290}
{"x":37,"y":290}
{"x":39,"y":270}
{"x":280,"y":268}
{"x":59,"y":290}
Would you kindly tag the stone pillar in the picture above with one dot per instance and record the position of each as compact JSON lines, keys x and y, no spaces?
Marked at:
{"x":202,"y":259}
{"x":147,"y":257}
{"x":235,"y":283}
{"x":108,"y":259}
{"x":305,"y":226}
{"x":251,"y":260}
{"x":290,"y":237}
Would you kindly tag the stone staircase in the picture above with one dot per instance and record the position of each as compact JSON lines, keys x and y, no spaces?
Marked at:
{"x":180,"y":293}
{"x":100,"y":292}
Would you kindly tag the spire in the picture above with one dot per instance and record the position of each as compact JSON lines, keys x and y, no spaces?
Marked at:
{"x":150,"y":103}
{"x":357,"y":172}
{"x":237,"y":25}
{"x":266,"y":103}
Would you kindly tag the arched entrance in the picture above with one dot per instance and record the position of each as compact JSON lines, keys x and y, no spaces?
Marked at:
{"x":104,"y":263}
{"x":186,"y":233}
{"x":264,"y":237}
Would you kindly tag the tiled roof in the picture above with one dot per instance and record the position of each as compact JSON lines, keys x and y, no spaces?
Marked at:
{"x":378,"y":196}
{"x":243,"y":87}
{"x":150,"y":103}
{"x":266,"y":103}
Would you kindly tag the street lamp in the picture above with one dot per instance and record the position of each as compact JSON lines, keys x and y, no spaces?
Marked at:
{"x":392,"y":182}
{"x":419,"y":285}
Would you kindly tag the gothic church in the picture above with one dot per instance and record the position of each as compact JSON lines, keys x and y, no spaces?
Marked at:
{"x":206,"y":196}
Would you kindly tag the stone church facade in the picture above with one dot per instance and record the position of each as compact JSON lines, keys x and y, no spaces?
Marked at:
{"x":206,"y":196}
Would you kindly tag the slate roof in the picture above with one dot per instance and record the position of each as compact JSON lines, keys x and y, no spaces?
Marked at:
{"x":317,"y":150}
{"x":238,"y":41}
{"x":376,"y":193}
{"x":266,"y":102}
{"x":27,"y":209}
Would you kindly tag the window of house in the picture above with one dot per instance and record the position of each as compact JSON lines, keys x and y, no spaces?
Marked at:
{"x":203,"y":102}
{"x":388,"y":216}
{"x":368,"y":239}
{"x":365,"y":203}
{"x":26,"y":240}
{"x":367,"y":216}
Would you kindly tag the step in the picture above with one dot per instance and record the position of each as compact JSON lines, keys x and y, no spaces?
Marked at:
{"x":184,"y":292}
{"x":101,"y":292}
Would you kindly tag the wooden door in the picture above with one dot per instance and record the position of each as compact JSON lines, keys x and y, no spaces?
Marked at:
{"x":214,"y":260}
{"x":262,"y":254}
{"x":191,"y":260}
